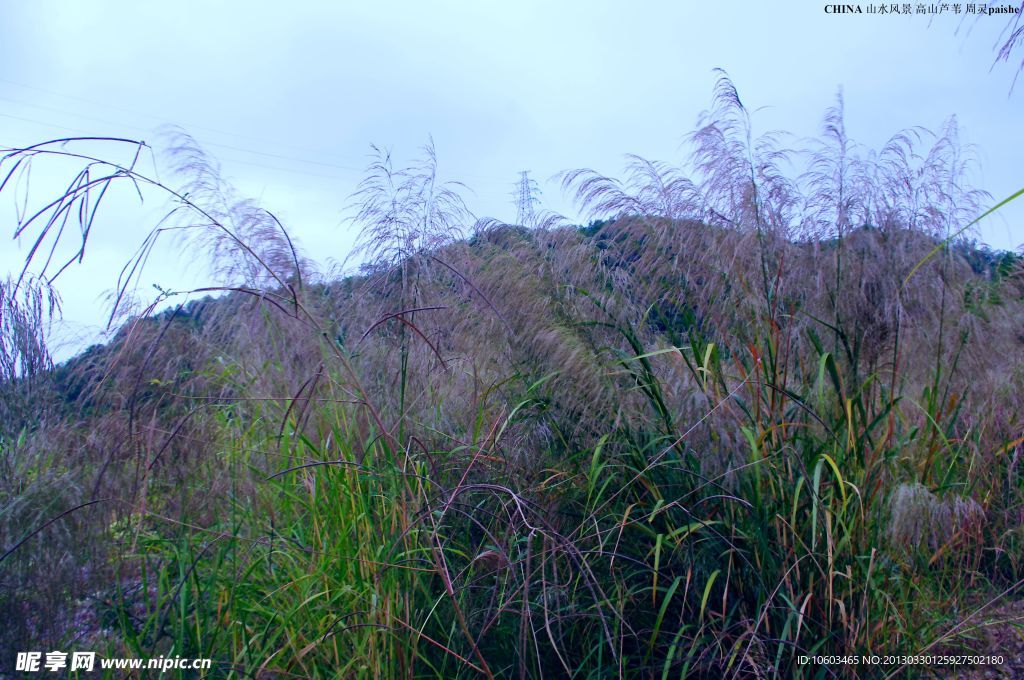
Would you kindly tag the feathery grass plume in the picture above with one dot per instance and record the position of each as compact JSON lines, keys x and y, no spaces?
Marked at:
{"x":836,"y":181}
{"x":919,"y":519}
{"x":404,"y":214}
{"x":246,"y":244}
{"x":651,"y":188}
{"x":913,"y":512}
{"x":26,"y":312}
{"x":742,"y":179}
{"x":1015,"y":35}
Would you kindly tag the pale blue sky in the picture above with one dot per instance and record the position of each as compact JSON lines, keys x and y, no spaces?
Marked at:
{"x":289,"y":96}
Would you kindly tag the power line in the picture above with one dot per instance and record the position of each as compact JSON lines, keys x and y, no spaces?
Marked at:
{"x":526,"y":195}
{"x":204,"y":141}
{"x":144,"y":114}
{"x":220,"y":158}
{"x":39,"y":122}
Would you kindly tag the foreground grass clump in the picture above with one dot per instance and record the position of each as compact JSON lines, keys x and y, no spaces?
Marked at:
{"x":310,"y":575}
{"x":738,"y":419}
{"x":621,"y":559}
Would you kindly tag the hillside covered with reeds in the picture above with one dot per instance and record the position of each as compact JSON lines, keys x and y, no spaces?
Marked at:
{"x":746,"y":414}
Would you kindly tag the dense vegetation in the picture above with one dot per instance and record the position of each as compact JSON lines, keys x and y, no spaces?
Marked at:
{"x":739,"y":418}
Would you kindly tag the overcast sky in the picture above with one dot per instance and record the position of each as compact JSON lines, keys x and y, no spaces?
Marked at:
{"x":289,"y":96}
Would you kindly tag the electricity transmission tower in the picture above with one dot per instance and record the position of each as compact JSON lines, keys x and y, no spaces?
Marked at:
{"x":527,"y":196}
